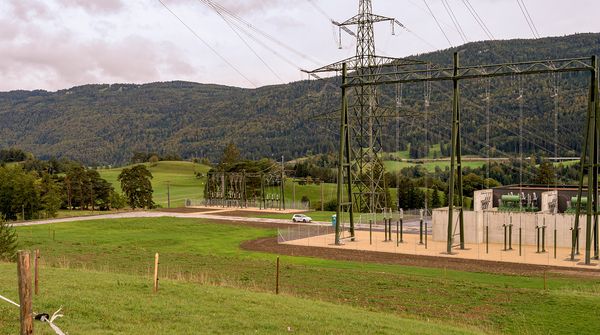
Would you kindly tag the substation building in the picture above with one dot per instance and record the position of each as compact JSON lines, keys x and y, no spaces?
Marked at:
{"x":536,"y":212}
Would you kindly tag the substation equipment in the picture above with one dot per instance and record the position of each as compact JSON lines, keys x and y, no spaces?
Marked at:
{"x":360,"y":170}
{"x":264,"y":190}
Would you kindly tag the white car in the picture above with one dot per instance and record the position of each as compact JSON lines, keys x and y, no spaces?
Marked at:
{"x":301,"y":218}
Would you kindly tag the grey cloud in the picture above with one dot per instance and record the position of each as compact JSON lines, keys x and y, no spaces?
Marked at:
{"x":28,"y":9}
{"x":60,"y":60}
{"x":240,"y":6}
{"x":95,"y":6}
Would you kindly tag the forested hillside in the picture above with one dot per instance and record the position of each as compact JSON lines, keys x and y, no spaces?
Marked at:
{"x":106,"y":124}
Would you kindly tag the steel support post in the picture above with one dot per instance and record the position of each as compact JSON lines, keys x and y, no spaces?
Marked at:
{"x":537,"y":239}
{"x":487,"y":239}
{"x":421,"y":231}
{"x":342,"y":163}
{"x":582,"y":161}
{"x":401,"y":230}
{"x":520,"y":241}
{"x":426,"y":234}
{"x":596,"y":89}
{"x":510,"y":226}
{"x":543,"y":239}
{"x":282,"y":188}
{"x":385,"y":228}
{"x":455,"y":152}
{"x":505,"y":227}
{"x":592,"y":165}
{"x":554,"y":243}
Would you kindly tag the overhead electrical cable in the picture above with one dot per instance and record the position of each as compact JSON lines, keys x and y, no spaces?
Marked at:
{"x":424,"y":10}
{"x":260,"y":32}
{"x":412,"y":32}
{"x":207,"y":44}
{"x":231,"y":26}
{"x":527,"y":17}
{"x":455,"y":21}
{"x":335,"y":24}
{"x":530,"y":18}
{"x":437,"y":22}
{"x":478,"y":18}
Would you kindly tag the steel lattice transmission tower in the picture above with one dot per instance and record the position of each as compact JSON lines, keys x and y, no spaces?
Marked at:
{"x":361,"y":169}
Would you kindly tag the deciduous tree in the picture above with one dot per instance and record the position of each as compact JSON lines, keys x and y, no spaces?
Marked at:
{"x":137,"y":187}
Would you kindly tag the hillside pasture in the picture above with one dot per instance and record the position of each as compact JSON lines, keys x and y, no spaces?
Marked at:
{"x":179,"y":174}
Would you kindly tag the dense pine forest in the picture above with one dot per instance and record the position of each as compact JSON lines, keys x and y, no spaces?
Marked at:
{"x":107,"y":124}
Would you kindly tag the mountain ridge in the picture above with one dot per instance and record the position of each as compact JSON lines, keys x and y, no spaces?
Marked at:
{"x":105,"y":123}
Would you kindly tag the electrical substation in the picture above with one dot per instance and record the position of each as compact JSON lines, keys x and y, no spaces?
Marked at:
{"x":550,"y":224}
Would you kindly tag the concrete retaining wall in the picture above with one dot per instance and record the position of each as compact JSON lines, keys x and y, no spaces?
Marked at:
{"x":475,"y":223}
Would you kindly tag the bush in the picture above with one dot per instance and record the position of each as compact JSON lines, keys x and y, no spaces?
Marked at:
{"x":117,"y":201}
{"x":305,"y":199}
{"x":330,"y":206}
{"x":8,"y":242}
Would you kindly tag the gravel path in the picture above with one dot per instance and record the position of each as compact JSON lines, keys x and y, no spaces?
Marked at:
{"x":409,"y":226}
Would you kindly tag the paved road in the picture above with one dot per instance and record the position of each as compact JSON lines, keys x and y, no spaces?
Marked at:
{"x":412,"y":225}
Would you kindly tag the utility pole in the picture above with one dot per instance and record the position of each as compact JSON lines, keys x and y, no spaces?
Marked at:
{"x":168,"y":194}
{"x":322,"y":199}
{"x":282,"y":205}
{"x":293,"y":194}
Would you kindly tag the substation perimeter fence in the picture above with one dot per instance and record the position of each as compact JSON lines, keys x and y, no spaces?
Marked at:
{"x":537,"y":239}
{"x":301,"y":232}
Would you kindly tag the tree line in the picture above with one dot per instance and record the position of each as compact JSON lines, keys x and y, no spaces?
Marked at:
{"x":39,"y":189}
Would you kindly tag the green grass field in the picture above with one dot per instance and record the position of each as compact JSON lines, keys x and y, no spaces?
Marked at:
{"x":312,"y":191}
{"x":394,"y":166}
{"x":217,"y":279}
{"x":103,"y":303}
{"x":183,"y":182}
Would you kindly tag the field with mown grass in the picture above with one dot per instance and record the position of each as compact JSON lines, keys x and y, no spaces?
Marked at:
{"x":101,"y":268}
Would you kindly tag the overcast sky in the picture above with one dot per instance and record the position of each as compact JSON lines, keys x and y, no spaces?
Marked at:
{"x":56,"y":44}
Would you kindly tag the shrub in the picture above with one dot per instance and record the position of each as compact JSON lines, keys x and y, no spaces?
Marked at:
{"x":8,"y":242}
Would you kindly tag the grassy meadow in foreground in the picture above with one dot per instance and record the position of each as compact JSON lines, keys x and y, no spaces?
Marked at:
{"x":108,"y":303}
{"x":198,"y":252}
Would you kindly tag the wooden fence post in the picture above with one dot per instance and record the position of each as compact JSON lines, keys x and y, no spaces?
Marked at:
{"x":156,"y":273}
{"x":24,"y":275}
{"x":37,"y":272}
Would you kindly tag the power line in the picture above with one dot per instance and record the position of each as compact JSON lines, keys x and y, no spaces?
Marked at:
{"x":455,"y":21}
{"x":530,"y":18}
{"x":254,"y":38}
{"x":412,"y":32}
{"x":247,"y":44}
{"x":207,"y":45}
{"x":527,"y":17}
{"x":258,"y":31}
{"x":478,"y":18}
{"x":437,"y":22}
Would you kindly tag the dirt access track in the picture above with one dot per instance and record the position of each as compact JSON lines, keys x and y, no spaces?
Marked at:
{"x":270,"y":245}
